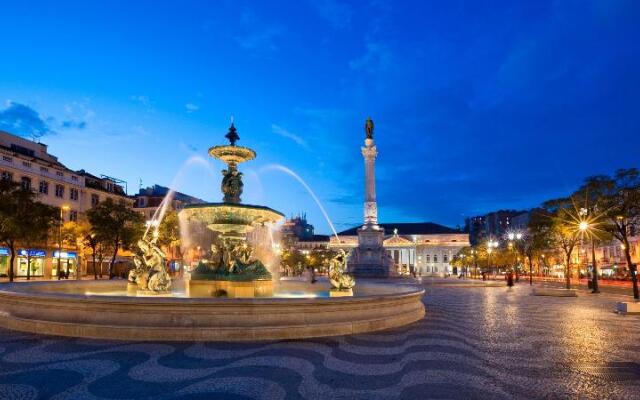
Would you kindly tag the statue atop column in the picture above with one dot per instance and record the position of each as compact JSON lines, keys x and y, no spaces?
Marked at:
{"x":368,"y":128}
{"x":370,"y":259}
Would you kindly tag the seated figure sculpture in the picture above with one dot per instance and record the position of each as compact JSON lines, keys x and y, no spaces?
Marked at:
{"x":149,"y":273}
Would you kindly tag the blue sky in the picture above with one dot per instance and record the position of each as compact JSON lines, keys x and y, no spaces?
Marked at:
{"x":478,"y":105}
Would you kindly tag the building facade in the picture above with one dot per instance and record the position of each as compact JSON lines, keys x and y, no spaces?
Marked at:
{"x":425,"y":249}
{"x":72,"y":192}
{"x":149,"y":199}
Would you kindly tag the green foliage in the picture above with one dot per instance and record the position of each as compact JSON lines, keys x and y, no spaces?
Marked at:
{"x":293,"y":261}
{"x":169,"y":230}
{"x":117,"y":225}
{"x":614,"y":201}
{"x":22,"y":218}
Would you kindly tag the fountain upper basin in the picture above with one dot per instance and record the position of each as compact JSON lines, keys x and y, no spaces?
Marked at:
{"x":229,"y":217}
{"x":101,"y":309}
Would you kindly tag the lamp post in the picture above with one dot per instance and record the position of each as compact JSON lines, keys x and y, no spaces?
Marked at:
{"x":585,"y":227}
{"x":513,"y":237}
{"x":475,"y":263}
{"x":63,"y":208}
{"x":491,"y":244}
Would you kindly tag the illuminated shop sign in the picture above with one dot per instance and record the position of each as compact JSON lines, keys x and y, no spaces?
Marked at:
{"x":4,"y":251}
{"x":65,"y":254}
{"x":31,"y":253}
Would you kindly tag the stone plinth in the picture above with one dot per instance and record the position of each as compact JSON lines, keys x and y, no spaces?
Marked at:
{"x":231,"y":289}
{"x":369,"y":259}
{"x":341,"y":293}
{"x":628,"y":307}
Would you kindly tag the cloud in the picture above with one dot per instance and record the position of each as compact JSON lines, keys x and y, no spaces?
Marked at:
{"x":258,"y":37}
{"x":262,"y":41}
{"x":337,"y":13}
{"x":142,"y":99}
{"x":191,"y":107}
{"x":73,"y":124}
{"x":377,"y":58}
{"x":321,"y":113}
{"x":23,"y":120}
{"x":278,"y":130}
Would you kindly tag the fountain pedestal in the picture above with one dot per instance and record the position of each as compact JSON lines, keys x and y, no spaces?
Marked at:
{"x":230,"y":289}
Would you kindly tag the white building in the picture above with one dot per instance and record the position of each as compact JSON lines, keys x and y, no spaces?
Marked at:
{"x":424,"y":247}
{"x":73,"y":192}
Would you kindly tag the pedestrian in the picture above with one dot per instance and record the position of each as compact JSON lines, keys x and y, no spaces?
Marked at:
{"x":510,"y":279}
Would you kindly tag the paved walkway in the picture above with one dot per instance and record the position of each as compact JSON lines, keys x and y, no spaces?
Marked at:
{"x":475,"y":342}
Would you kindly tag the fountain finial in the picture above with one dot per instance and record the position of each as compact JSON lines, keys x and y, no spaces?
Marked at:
{"x":232,"y":134}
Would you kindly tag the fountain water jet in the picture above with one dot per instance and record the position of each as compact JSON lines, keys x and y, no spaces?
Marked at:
{"x":297,"y":177}
{"x":160,"y":212}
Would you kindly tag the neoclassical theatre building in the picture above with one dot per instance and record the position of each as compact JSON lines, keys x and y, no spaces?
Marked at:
{"x":424,"y":247}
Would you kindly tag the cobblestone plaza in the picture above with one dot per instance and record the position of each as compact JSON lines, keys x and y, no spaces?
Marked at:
{"x":475,"y":342}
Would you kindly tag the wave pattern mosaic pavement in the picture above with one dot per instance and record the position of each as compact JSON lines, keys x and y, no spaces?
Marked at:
{"x":474,"y":343}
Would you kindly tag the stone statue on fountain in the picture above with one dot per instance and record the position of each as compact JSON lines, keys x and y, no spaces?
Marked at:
{"x":231,"y":185}
{"x":339,"y":279}
{"x":150,"y":275}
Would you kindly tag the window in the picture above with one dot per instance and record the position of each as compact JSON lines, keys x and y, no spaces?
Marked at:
{"x":435,"y":258}
{"x":26,"y":164}
{"x":73,"y":194}
{"x":44,"y":169}
{"x":59,"y":191}
{"x":445,"y":258}
{"x":73,"y":215}
{"x":95,"y":199}
{"x":44,"y":187}
{"x":74,"y":178}
{"x":25,"y":181}
{"x":7,"y":176}
{"x":7,"y":159}
{"x":428,"y":258}
{"x":59,"y":173}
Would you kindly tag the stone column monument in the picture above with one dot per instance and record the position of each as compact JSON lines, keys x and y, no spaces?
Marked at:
{"x":370,"y":259}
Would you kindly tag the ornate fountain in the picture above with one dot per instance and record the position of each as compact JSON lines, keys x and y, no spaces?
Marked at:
{"x":232,"y":270}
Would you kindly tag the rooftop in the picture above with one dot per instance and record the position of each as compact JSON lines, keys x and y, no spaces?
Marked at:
{"x":408,"y":228}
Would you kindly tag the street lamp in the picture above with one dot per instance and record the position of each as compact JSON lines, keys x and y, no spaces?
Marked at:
{"x":515,"y":236}
{"x":585,"y":227}
{"x":491,"y":244}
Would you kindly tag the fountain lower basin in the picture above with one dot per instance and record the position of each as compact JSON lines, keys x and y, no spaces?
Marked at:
{"x":104,"y":310}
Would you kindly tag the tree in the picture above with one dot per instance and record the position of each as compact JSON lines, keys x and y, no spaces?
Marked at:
{"x":618,"y":197}
{"x":464,"y":259}
{"x":563,"y":229}
{"x":117,"y":225}
{"x":537,"y":238}
{"x":169,"y":233}
{"x":293,"y":261}
{"x":22,"y":219}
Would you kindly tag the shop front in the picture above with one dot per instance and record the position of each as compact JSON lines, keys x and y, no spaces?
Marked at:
{"x":4,"y":262}
{"x":64,"y":261}
{"x":30,"y":262}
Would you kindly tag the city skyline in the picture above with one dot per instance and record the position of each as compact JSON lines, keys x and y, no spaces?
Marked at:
{"x":476,"y":108}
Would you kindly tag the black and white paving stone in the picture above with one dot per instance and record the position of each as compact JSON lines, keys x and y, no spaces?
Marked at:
{"x":475,"y":343}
